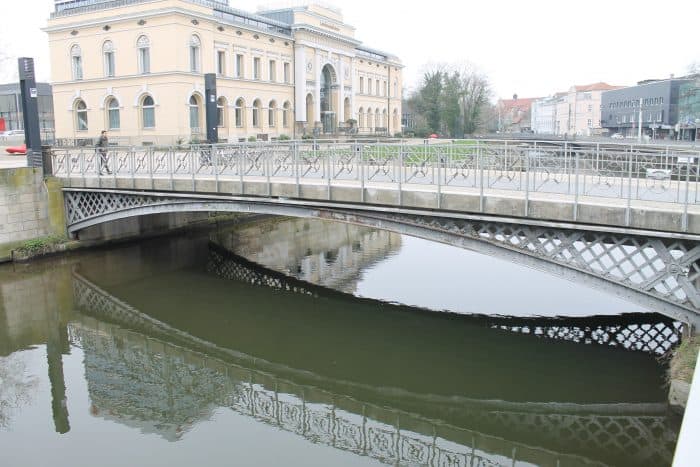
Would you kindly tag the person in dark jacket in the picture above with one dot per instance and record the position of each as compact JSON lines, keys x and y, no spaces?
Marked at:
{"x":102,"y":151}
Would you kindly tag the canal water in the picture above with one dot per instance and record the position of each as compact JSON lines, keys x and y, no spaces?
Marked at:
{"x":306,"y":343}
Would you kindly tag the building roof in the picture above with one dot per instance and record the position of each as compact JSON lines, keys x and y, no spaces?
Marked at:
{"x":600,"y":86}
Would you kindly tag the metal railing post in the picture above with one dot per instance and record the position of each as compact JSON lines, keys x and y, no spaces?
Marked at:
{"x":439,"y":182}
{"x":576,"y":186}
{"x":215,"y":162}
{"x":628,"y":212}
{"x":328,"y":174}
{"x":241,"y":160}
{"x":684,"y":220}
{"x":480,"y":168}
{"x":400,"y":176}
{"x":527,"y":181}
{"x":361,"y":151}
{"x":267,"y":167}
{"x":296,"y":167}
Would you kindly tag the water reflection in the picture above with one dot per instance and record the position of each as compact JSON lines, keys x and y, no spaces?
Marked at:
{"x":166,"y":343}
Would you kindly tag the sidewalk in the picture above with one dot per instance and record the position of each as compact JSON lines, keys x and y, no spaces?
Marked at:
{"x":11,"y":161}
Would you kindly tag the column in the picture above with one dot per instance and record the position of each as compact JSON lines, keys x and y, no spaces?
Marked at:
{"x":341,"y":91}
{"x":317,"y":89}
{"x":353,"y":81}
{"x":300,"y":83}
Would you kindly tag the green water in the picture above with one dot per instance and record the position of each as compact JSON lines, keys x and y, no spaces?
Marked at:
{"x":141,"y":355}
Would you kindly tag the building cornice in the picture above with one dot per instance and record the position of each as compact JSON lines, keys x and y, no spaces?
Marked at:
{"x":322,"y":32}
{"x":169,"y":73}
{"x":162,"y":11}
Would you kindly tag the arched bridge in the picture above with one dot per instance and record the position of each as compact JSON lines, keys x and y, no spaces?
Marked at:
{"x":622,"y":218}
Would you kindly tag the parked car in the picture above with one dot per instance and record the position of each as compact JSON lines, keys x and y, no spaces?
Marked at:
{"x":617,"y":136}
{"x":22,"y":149}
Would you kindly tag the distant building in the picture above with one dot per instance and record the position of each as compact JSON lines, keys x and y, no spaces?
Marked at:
{"x":11,"y":113}
{"x":136,"y":68}
{"x":543,"y":114}
{"x":514,"y":114}
{"x":620,"y":112}
{"x":578,"y":110}
{"x":689,"y":109}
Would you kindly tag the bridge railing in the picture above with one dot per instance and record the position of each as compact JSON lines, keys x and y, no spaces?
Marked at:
{"x":578,"y":169}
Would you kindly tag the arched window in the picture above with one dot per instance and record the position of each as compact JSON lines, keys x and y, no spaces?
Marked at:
{"x":76,"y":62}
{"x":271,"y":111}
{"x":361,"y":117}
{"x":377,"y":118}
{"x":256,"y":113}
{"x":144,"y":47}
{"x":194,"y":114}
{"x":195,"y":45}
{"x":113,"y":122}
{"x":81,"y":115}
{"x":285,"y":114}
{"x":148,"y":112}
{"x":221,"y":112}
{"x":239,"y":112}
{"x":108,"y":55}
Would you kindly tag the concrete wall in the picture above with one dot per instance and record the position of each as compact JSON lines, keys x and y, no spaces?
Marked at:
{"x":29,"y":207}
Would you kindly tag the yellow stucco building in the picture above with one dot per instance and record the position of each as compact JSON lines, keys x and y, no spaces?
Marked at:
{"x":136,"y":69}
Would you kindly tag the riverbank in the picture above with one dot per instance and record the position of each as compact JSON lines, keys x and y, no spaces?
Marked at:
{"x":681,"y":370}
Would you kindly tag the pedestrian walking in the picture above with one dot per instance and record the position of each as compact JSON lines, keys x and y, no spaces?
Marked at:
{"x":102,"y":152}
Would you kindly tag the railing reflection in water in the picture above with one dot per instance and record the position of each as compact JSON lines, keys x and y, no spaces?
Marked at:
{"x":164,"y":380}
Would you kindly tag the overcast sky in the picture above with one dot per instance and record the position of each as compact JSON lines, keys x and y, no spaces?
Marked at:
{"x":532,"y":48}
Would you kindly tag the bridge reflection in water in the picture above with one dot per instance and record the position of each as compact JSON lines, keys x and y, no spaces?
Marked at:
{"x":165,"y":377}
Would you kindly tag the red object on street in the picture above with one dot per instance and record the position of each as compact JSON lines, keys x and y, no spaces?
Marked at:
{"x":17,"y":149}
{"x":433,"y":136}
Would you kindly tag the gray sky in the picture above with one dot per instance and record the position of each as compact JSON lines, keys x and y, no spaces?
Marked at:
{"x":532,"y":48}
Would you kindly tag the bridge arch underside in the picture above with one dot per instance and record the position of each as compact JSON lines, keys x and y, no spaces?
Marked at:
{"x":659,"y":274}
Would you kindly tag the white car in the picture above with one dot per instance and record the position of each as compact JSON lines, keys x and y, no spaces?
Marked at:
{"x":617,"y":136}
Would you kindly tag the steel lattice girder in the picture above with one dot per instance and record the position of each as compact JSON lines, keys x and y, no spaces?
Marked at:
{"x":667,"y":269}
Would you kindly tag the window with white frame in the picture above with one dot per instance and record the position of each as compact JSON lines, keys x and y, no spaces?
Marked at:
{"x":287,"y":72}
{"x":113,"y":122}
{"x":148,"y":112}
{"x":273,"y":71}
{"x":256,"y":113}
{"x":195,"y":46}
{"x":285,"y":114}
{"x":76,"y":62}
{"x":271,"y":113}
{"x":108,"y":55}
{"x":239,"y":65}
{"x":221,"y":62}
{"x":221,"y":112}
{"x":239,"y":112}
{"x":256,"y":68}
{"x":144,"y":50}
{"x":81,"y":115}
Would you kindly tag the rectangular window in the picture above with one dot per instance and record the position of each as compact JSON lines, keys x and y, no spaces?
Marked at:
{"x":113,"y":114}
{"x":149,"y":117}
{"x":362,"y":85}
{"x":144,"y":60}
{"x":273,"y":71}
{"x":377,"y":88}
{"x":590,"y":123}
{"x":109,"y":64}
{"x":256,"y":68}
{"x":221,"y":63}
{"x":271,"y":117}
{"x":239,"y":117}
{"x":239,"y":66}
{"x":194,"y":59}
{"x":77,"y":68}
{"x":287,"y":72}
{"x":369,"y":85}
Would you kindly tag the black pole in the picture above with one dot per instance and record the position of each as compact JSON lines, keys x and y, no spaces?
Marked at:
{"x":212,"y":119}
{"x":30,"y":111}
